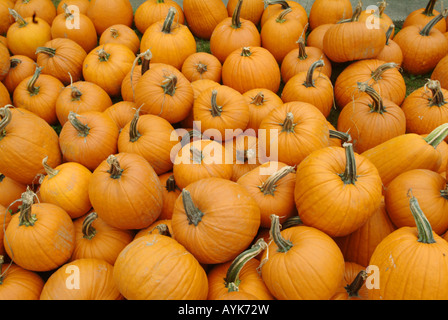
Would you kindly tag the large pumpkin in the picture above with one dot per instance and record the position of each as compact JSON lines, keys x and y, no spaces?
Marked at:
{"x":105,"y":13}
{"x":424,"y":15}
{"x":329,"y":12}
{"x":203,"y":16}
{"x":152,"y":11}
{"x":43,"y":9}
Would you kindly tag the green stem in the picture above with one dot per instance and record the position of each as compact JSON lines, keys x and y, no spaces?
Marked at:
{"x":103,"y":56}
{"x":31,"y":86}
{"x":196,"y":155}
{"x":377,"y":104}
{"x":389,"y":33}
{"x":292,"y":222}
{"x":343,"y":136}
{"x":171,"y":185}
{"x":282,"y":15}
{"x":134,"y":135}
{"x":269,"y":186}
{"x":88,"y":230}
{"x":378,"y":73}
{"x":356,"y":285}
{"x":5,"y":115}
{"x":49,"y":51}
{"x":194,"y":215}
{"x":115,"y":169}
{"x":425,"y":234}
{"x":114,"y":33}
{"x":275,"y":234}
{"x":245,"y":52}
{"x":168,"y":23}
{"x":309,"y":81}
{"x":302,"y":49}
{"x":18,"y":18}
{"x":51,"y":172}
{"x":437,"y":95}
{"x":288,"y":125}
{"x":437,"y":135}
{"x":349,"y":176}
{"x":169,"y":84}
{"x":283,"y":3}
{"x":429,"y":10}
{"x":236,"y":20}
{"x":14,"y":62}
{"x":83,"y":129}
{"x":26,"y":217}
{"x":215,"y":109}
{"x":162,"y":229}
{"x":427,"y":29}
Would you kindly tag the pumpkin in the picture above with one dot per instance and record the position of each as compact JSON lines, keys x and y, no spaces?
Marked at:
{"x":310,"y":255}
{"x":422,"y":46}
{"x":88,"y":138}
{"x":240,"y":275}
{"x":275,"y":7}
{"x":135,"y":191}
{"x":105,"y":13}
{"x":5,"y":97}
{"x":329,"y":12}
{"x":152,"y":11}
{"x":232,"y":33}
{"x":77,"y":27}
{"x":261,"y":101}
{"x":202,"y":65}
{"x":66,"y":186}
{"x":91,"y":279}
{"x":272,"y":186}
{"x":107,"y":65}
{"x":424,"y":15}
{"x":221,"y":111}
{"x":201,"y":159}
{"x":164,"y":91}
{"x":316,"y":37}
{"x":353,"y":40}
{"x":407,"y":151}
{"x":391,"y":51}
{"x":203,"y":16}
{"x":215,"y":229}
{"x":5,"y":218}
{"x":353,"y":286}
{"x":301,"y":58}
{"x":43,"y":9}
{"x":170,"y":42}
{"x":121,"y":113}
{"x":17,"y":283}
{"x":311,"y":86}
{"x":426,"y":108}
{"x":245,"y":154}
{"x":120,"y":33}
{"x":358,"y":185}
{"x":250,"y":68}
{"x":5,"y":18}
{"x":41,"y":236}
{"x":377,"y":18}
{"x":371,"y":119}
{"x":170,"y":192}
{"x":95,"y":239}
{"x":280,"y":33}
{"x":21,"y":67}
{"x":25,"y":35}
{"x":358,"y":246}
{"x":24,"y":133}
{"x":384,"y":77}
{"x":62,"y":59}
{"x":5,"y":65}
{"x":181,"y":278}
{"x":81,"y":96}
{"x":81,"y":5}
{"x":440,"y":73}
{"x":10,"y":191}
{"x":407,"y":249}
{"x":430,"y":189}
{"x":291,"y":132}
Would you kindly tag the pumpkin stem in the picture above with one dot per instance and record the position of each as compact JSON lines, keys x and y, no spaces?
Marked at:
{"x":26,"y":218}
{"x":236,"y":20}
{"x":389,"y":33}
{"x":215,"y":109}
{"x":427,"y":29}
{"x":281,"y":16}
{"x":168,"y":23}
{"x":162,"y":229}
{"x":18,"y":18}
{"x":32,"y":89}
{"x":245,"y":52}
{"x":269,"y":186}
{"x":443,"y":193}
{"x":114,"y":33}
{"x":435,"y":137}
{"x":425,"y":234}
{"x":88,"y":230}
{"x":5,"y":115}
{"x":246,"y":156}
{"x":382,"y":6}
{"x":51,"y":172}
{"x":302,"y":49}
{"x":196,"y":155}
{"x":309,"y":81}
{"x":14,"y":62}
{"x":2,"y":275}
{"x":354,"y":287}
{"x":349,"y":176}
{"x":288,"y":125}
{"x":115,"y":169}
{"x":103,"y":56}
{"x":343,"y":136}
{"x":146,"y":58}
{"x":429,"y":9}
{"x":283,"y":3}
{"x":201,"y":68}
{"x":274,"y":232}
{"x":377,"y":104}
{"x":437,"y":95}
{"x":171,"y":185}
{"x":49,"y":51}
{"x":169,"y":84}
{"x":378,"y":73}
{"x":258,"y":100}
{"x":192,"y":134}
{"x":83,"y":129}
{"x":134,"y":135}
{"x":356,"y":13}
{"x":232,"y":281}
{"x":194,"y":215}
{"x":292,"y":222}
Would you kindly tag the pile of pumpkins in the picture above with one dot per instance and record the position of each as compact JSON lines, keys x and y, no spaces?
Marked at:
{"x":134,"y":166}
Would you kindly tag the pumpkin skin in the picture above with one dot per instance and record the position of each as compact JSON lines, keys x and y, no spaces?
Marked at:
{"x":4,"y":62}
{"x":316,"y":36}
{"x":223,"y":227}
{"x":121,"y":113}
{"x":96,"y":282}
{"x":232,"y":33}
{"x":5,"y":216}
{"x":329,"y":12}
{"x":21,"y":67}
{"x":353,"y":286}
{"x":121,"y":176}
{"x":440,"y":73}
{"x":429,"y":188}
{"x":18,"y":283}
{"x":202,"y":65}
{"x":120,"y":33}
{"x":95,"y":239}
{"x":422,"y":46}
{"x":10,"y":191}
{"x":311,"y":255}
{"x":43,"y":9}
{"x":23,"y":130}
{"x":245,"y":154}
{"x":406,"y":249}
{"x":170,"y":192}
{"x":203,"y":16}
{"x":274,"y":7}
{"x":66,"y":186}
{"x":152,"y":11}
{"x":349,"y":173}
{"x":249,"y":68}
{"x":424,"y":15}
{"x":105,"y":13}
{"x":170,"y":43}
{"x":79,"y":97}
{"x":85,"y":34}
{"x":151,"y":137}
{"x":137,"y":281}
{"x":41,"y":236}
{"x":391,"y":51}
{"x":298,"y":128}
{"x":160,"y":226}
{"x":26,"y":34}
{"x":5,"y":17}
{"x":5,"y":98}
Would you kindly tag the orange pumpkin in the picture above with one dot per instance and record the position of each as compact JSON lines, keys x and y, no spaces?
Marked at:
{"x":353,"y":285}
{"x":424,"y":15}
{"x":377,"y":18}
{"x":202,"y":65}
{"x":43,"y":9}
{"x":170,"y":192}
{"x":120,"y":33}
{"x":245,"y":154}
{"x":391,"y":51}
{"x":21,"y":67}
{"x":10,"y":191}
{"x":329,"y":12}
{"x":105,"y":13}
{"x":275,"y":7}
{"x":203,"y":16}
{"x":152,"y":11}
{"x":121,"y":113}
{"x":4,"y":62}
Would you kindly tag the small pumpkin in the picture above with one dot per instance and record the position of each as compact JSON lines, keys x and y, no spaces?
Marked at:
{"x":170,"y":192}
{"x":202,"y":65}
{"x":391,"y":51}
{"x":424,"y":15}
{"x":316,"y":37}
{"x":43,"y":9}
{"x":121,"y":113}
{"x":377,"y":18}
{"x":105,"y":13}
{"x":5,"y":97}
{"x":120,"y":33}
{"x":21,"y":67}
{"x":5,"y":18}
{"x":275,"y":7}
{"x":329,"y":12}
{"x":10,"y":191}
{"x":203,"y":16}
